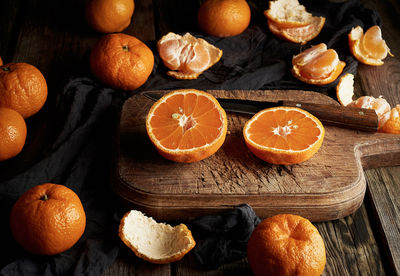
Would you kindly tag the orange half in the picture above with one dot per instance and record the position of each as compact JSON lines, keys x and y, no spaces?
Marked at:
{"x":187,"y":125}
{"x":284,"y":135}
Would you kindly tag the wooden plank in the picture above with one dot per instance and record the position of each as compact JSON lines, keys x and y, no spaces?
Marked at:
{"x":384,"y":193}
{"x":128,"y":264}
{"x":190,"y":267}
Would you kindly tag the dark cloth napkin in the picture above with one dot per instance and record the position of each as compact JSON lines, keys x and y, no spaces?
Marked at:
{"x":80,"y":155}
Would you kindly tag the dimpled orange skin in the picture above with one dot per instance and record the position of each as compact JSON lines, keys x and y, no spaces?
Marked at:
{"x":224,"y":18}
{"x":121,"y":61}
{"x":48,"y":226}
{"x":286,"y":244}
{"x":109,"y":16}
{"x":12,"y":133}
{"x":22,"y":88}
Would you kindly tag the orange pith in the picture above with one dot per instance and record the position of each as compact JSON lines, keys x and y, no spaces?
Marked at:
{"x":345,"y":89}
{"x":369,"y":47}
{"x":288,"y":13}
{"x":317,"y":65}
{"x":187,"y":125}
{"x":187,"y":55}
{"x":301,"y":34}
{"x":283,"y":135}
{"x":286,"y":244}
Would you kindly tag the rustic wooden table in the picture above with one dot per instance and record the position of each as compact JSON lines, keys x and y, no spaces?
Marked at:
{"x":53,"y":36}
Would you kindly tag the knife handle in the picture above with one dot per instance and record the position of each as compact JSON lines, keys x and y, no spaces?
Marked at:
{"x":340,"y":116}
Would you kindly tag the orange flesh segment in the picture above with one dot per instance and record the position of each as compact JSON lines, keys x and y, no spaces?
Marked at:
{"x":281,"y":128}
{"x":372,"y":44}
{"x":180,"y":124}
{"x":169,"y":51}
{"x":198,"y":59}
{"x":309,"y":54}
{"x":321,"y":65}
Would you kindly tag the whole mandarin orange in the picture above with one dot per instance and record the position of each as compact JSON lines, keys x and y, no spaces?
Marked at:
{"x":109,"y":16}
{"x":22,"y":88}
{"x":286,"y":244}
{"x":12,"y":133}
{"x":48,"y":219}
{"x":224,"y":18}
{"x":121,"y":61}
{"x":1,"y":61}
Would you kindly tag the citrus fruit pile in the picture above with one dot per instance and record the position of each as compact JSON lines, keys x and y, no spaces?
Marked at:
{"x":23,"y":92}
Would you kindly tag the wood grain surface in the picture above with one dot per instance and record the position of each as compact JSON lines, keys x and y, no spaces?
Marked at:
{"x":329,"y":186}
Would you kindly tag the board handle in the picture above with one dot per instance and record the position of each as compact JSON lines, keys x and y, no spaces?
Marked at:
{"x":341,"y":116}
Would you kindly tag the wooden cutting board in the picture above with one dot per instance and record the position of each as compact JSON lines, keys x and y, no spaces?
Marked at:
{"x":330,"y":185}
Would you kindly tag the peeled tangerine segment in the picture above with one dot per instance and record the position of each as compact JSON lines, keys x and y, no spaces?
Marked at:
{"x":317,"y":62}
{"x":309,"y":54}
{"x":300,"y":34}
{"x":372,"y":44}
{"x":187,"y":55}
{"x":380,"y":105}
{"x":368,"y":48}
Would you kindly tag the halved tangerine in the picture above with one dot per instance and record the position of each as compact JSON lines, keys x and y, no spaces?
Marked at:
{"x":317,"y":65}
{"x":187,"y":125}
{"x":187,"y":55}
{"x":301,"y":34}
{"x":368,"y":48}
{"x":283,"y":135}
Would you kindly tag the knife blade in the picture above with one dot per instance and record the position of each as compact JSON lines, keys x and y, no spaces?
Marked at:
{"x":334,"y":115}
